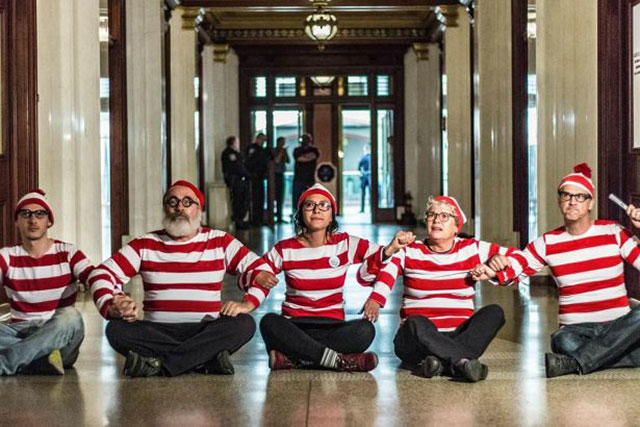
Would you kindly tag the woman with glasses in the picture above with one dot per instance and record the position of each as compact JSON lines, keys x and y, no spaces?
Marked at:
{"x":440,"y":333}
{"x":312,"y":331}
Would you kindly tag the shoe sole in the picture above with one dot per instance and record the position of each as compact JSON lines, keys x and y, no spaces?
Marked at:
{"x":55,"y":360}
{"x":272,"y":360}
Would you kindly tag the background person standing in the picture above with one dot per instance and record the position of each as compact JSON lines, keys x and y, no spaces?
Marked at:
{"x":257,"y":160}
{"x":280,"y":160}
{"x":236,"y":177}
{"x":306,"y":157}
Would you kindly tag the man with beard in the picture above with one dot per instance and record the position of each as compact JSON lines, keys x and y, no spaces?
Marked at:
{"x":40,"y":278}
{"x":182,"y":267}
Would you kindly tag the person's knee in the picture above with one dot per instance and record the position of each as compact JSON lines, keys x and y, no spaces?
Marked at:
{"x":269,"y":322}
{"x":247,"y":324}
{"x":115,"y":332}
{"x":415,"y":323}
{"x":495,"y":312}
{"x":366,"y":330}
{"x":563,"y":341}
{"x":70,"y":318}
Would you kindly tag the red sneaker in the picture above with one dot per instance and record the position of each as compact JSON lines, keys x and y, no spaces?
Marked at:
{"x":357,"y":362}
{"x":279,"y":361}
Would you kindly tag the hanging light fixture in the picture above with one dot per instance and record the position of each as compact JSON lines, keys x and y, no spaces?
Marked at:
{"x":321,"y":26}
{"x":322,"y":81}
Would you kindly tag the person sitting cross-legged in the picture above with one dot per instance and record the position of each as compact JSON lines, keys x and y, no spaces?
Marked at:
{"x":312,"y":331}
{"x":182,"y":267}
{"x":40,"y":279}
{"x":441,"y":332}
{"x":598,"y":329}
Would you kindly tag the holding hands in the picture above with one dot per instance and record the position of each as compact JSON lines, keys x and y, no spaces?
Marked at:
{"x":489,"y":270}
{"x":266,"y":280}
{"x":123,"y":307}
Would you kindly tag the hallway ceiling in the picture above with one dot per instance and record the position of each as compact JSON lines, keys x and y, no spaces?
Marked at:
{"x":254,"y":22}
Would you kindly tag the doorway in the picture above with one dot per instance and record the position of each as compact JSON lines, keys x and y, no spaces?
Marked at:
{"x":354,"y":152}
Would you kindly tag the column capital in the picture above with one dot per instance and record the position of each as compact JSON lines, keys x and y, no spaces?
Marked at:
{"x":189,"y":15}
{"x":220,"y":52}
{"x":448,"y":14}
{"x":421,"y":50}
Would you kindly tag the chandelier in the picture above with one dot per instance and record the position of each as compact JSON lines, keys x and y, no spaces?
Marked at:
{"x":322,"y":81}
{"x":321,"y":26}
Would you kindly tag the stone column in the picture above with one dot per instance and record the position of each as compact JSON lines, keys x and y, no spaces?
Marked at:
{"x":69,"y":119}
{"x":422,"y":134}
{"x":567,"y":71}
{"x":183,"y":101}
{"x":494,"y":197}
{"x":220,"y":109}
{"x":457,"y":42}
{"x":145,"y":22}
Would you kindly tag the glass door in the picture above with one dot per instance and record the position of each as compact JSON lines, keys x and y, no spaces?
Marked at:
{"x":354,"y":153}
{"x":385,"y":164}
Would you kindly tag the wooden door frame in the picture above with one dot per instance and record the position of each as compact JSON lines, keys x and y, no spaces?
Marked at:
{"x":20,"y":118}
{"x":118,"y":144}
{"x":614,"y":114}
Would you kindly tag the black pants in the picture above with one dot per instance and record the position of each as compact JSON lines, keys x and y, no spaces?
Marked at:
{"x":181,"y":346}
{"x":279,"y":196}
{"x":257,"y":200}
{"x":305,"y":338}
{"x":239,"y":189}
{"x":418,"y":337}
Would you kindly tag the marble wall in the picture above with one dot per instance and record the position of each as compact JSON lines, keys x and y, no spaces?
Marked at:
{"x":69,"y":119}
{"x":422,"y":126}
{"x":567,"y":70}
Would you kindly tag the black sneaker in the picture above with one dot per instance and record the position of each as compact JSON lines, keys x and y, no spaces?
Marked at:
{"x":559,"y":364}
{"x":220,"y":364}
{"x":470,"y":370}
{"x":429,"y":367}
{"x":141,"y":366}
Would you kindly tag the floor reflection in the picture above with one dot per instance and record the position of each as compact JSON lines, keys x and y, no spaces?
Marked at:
{"x":515,"y":393}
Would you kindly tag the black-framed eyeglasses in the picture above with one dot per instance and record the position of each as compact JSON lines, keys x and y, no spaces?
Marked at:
{"x":173,"y":202}
{"x":40,"y":213}
{"x":323,"y":206}
{"x":580,"y":197}
{"x":442,"y":216}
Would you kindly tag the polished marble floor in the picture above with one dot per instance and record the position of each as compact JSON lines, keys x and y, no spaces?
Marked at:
{"x":515,"y":393}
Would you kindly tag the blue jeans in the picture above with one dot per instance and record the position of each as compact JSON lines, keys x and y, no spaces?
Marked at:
{"x":24,"y":342}
{"x":614,"y":344}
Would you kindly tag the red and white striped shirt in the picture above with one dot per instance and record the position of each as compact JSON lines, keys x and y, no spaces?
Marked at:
{"x":588,"y":270}
{"x":182,"y":280}
{"x":36,"y":287}
{"x":314,"y":276}
{"x":436,"y":285}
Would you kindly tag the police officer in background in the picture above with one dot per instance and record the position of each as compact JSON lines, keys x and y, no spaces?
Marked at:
{"x":257,"y":161}
{"x":236,"y":176}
